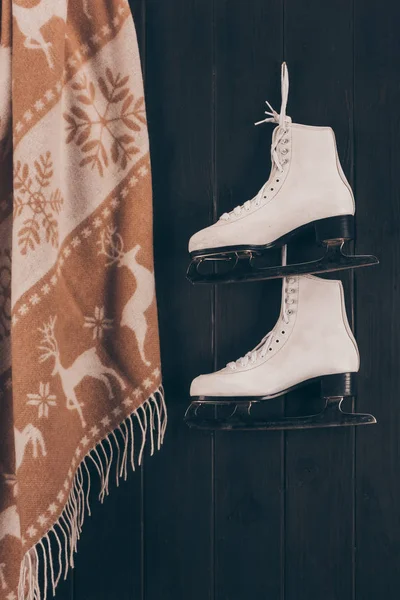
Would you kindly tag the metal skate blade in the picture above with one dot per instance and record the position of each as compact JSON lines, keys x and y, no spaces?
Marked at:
{"x":249,"y":267}
{"x":241,"y":419}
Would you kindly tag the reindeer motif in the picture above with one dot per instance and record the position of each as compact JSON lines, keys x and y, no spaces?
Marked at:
{"x":88,"y":364}
{"x":10,"y":523}
{"x":31,"y":20}
{"x":133,"y":314}
{"x":30,"y":434}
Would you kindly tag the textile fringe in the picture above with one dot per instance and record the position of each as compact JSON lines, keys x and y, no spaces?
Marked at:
{"x":53,"y":555}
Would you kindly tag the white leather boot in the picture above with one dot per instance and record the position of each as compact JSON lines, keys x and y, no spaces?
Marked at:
{"x":306,"y":188}
{"x":311,"y":339}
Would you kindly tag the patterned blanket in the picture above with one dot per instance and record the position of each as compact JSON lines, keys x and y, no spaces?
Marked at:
{"x":80,"y":380}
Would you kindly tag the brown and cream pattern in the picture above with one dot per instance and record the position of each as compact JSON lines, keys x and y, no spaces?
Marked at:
{"x":80,"y":374}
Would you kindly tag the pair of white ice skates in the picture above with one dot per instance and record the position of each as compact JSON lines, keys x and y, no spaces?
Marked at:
{"x":312,"y":339}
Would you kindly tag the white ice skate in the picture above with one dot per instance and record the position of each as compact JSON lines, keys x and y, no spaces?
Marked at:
{"x":306,"y":189}
{"x":311,"y":341}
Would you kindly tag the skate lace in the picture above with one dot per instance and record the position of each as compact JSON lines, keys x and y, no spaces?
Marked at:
{"x":260,"y":351}
{"x":283,"y":122}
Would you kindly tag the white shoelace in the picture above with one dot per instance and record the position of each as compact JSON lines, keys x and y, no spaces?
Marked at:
{"x":283,"y":122}
{"x":261,"y":349}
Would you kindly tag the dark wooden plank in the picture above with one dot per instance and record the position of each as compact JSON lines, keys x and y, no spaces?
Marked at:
{"x":108,"y":562}
{"x":248,"y":467}
{"x":377,"y":97}
{"x":319,"y":464}
{"x":178,"y":484}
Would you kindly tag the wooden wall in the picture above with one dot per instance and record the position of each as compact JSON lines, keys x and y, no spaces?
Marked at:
{"x":301,"y":515}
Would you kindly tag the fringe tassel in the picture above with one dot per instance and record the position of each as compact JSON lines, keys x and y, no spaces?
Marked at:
{"x":53,"y":555}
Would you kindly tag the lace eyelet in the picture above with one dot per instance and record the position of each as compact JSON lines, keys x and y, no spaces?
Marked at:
{"x":283,"y":332}
{"x":272,"y":189}
{"x":290,"y":312}
{"x":265,"y":196}
{"x":284,"y":151}
{"x":277,"y":180}
{"x":270,"y":349}
{"x":277,"y":341}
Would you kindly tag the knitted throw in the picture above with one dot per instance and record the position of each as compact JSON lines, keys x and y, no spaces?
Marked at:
{"x":80,"y":381}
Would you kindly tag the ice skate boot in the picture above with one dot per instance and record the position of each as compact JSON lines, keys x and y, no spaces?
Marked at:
{"x":306,"y":189}
{"x":311,"y":342}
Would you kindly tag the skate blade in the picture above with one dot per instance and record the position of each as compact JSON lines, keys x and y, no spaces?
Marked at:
{"x":241,"y":419}
{"x":242,"y":266}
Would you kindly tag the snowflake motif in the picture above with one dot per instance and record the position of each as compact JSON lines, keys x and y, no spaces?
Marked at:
{"x":97,"y":222}
{"x":53,"y":280}
{"x":116,"y":411}
{"x":34,"y":299}
{"x":106,"y":421}
{"x":84,"y":49}
{"x":156,"y":372}
{"x":23,"y":309}
{"x":127,"y":402}
{"x":86,"y":232}
{"x":75,"y":241}
{"x":32,"y":201}
{"x":39,"y":105}
{"x":67,"y":251}
{"x":42,"y":520}
{"x":114,"y":203}
{"x":43,"y":400}
{"x":52,"y":508}
{"x":85,"y":440}
{"x":137,"y":393}
{"x":124,"y":193}
{"x":45,"y":289}
{"x":60,"y":496}
{"x":133,"y":181}
{"x":143,"y":171}
{"x":94,"y":431}
{"x":147,"y":383}
{"x":95,"y":38}
{"x":104,"y":120}
{"x":31,"y":531}
{"x":98,"y":323}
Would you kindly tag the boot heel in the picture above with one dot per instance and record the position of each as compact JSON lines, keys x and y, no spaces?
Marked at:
{"x":338,"y":386}
{"x":335,"y":228}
